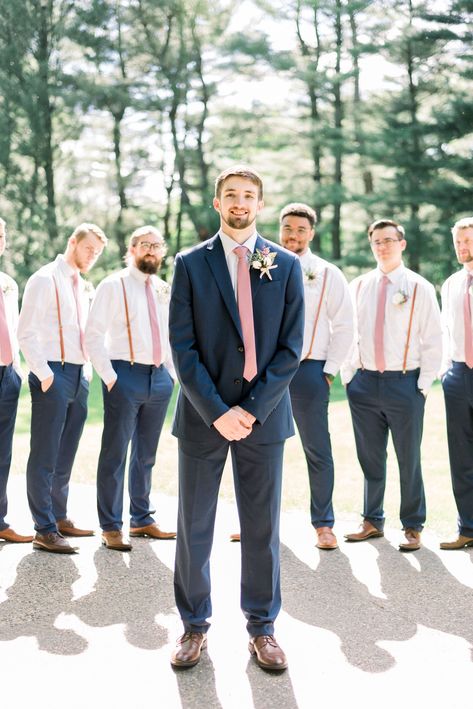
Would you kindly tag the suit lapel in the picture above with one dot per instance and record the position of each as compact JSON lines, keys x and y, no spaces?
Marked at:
{"x":215,"y":256}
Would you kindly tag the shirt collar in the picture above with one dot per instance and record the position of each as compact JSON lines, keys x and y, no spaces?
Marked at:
{"x":306,"y":258}
{"x":229,"y":244}
{"x":63,"y":266}
{"x":393,"y":276}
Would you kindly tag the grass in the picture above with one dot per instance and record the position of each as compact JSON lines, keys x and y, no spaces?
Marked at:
{"x":348,"y":494}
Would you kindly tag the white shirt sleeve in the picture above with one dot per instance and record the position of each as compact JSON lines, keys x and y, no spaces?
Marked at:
{"x":341,"y":320}
{"x":100,"y":315}
{"x":36,"y":299}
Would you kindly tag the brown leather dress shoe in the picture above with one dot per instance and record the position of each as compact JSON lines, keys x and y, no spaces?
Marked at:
{"x":459,"y":543}
{"x":188,"y":649}
{"x":268,"y":654}
{"x":68,"y":529}
{"x":326,"y":539}
{"x":412,"y":542}
{"x":115,"y":540}
{"x":53,"y":542}
{"x":9,"y":535}
{"x":235,"y":537}
{"x":151,"y":530}
{"x":367,"y":531}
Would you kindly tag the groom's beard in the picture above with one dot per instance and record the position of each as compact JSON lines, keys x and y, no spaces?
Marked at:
{"x":239,"y":222}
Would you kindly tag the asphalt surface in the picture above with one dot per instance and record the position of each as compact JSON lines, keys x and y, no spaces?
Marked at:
{"x":362,"y":626}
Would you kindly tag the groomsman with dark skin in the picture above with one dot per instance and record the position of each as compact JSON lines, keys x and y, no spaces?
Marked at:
{"x":51,"y":335}
{"x":127,"y":338}
{"x":10,"y":384}
{"x":457,"y":379}
{"x":236,"y":329}
{"x":395,"y":359}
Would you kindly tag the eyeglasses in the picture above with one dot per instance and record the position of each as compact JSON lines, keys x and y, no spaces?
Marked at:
{"x":384,"y":242}
{"x":151,"y":246}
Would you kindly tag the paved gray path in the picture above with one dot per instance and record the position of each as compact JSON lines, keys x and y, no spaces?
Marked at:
{"x":362,"y":626}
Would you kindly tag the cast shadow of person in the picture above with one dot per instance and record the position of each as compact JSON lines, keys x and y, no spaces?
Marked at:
{"x":266,"y":684}
{"x":335,"y":600}
{"x":41,"y":591}
{"x":130,"y":595}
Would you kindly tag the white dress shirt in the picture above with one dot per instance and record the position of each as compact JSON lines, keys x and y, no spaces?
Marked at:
{"x":335,"y":327}
{"x":229,"y":246}
{"x":38,"y":326}
{"x":10,"y":298}
{"x":453,"y":326}
{"x":425,"y":343}
{"x":106,"y":335}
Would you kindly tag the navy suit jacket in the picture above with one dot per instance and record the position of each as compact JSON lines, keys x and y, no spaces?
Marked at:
{"x":207,"y":343}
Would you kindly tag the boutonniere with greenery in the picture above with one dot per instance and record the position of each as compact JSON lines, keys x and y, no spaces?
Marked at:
{"x":309,"y":276}
{"x":89,"y":289}
{"x":400,"y":297}
{"x":263,"y":261}
{"x":7,"y":288}
{"x":163,"y":291}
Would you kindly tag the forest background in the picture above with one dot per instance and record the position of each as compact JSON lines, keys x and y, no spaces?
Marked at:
{"x":122,"y":112}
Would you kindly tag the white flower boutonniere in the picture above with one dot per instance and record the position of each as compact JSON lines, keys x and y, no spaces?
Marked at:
{"x":309,"y":277}
{"x":163,"y":291}
{"x":400,"y":297}
{"x":7,"y":288}
{"x":89,"y":289}
{"x":263,"y":260}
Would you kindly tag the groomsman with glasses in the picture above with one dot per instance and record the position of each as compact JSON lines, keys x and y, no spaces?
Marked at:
{"x":395,"y":359}
{"x":127,"y":338}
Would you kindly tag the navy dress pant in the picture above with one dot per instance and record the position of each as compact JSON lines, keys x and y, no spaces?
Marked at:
{"x":10,"y":384}
{"x":134,"y":410}
{"x":310,"y":395}
{"x":458,"y":391}
{"x":57,"y":419}
{"x":379,"y":403}
{"x":257,"y":472}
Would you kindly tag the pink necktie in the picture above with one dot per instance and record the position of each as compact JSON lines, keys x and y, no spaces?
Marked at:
{"x":153,"y":319}
{"x":245,"y":308}
{"x":6,"y":353}
{"x":75,"y":290}
{"x":379,"y":326}
{"x":467,"y":321}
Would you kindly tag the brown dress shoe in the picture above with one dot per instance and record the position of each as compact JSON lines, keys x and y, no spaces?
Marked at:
{"x":68,"y":529}
{"x":412,"y":542}
{"x":115,"y":540}
{"x":326,"y":539}
{"x":151,"y":530}
{"x":459,"y":543}
{"x":9,"y":535}
{"x":188,"y":649}
{"x":53,"y":542}
{"x":367,"y":531}
{"x":235,"y":537}
{"x":269,"y":655}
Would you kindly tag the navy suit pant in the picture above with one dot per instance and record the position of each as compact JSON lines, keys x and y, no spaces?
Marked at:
{"x":310,"y":395}
{"x":379,"y":403}
{"x":57,"y":419}
{"x":458,"y":391}
{"x":134,"y":410}
{"x":257,"y":472}
{"x":10,"y":384}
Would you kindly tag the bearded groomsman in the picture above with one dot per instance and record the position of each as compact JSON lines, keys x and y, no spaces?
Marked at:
{"x":51,"y":336}
{"x":393,"y":365}
{"x":127,"y":338}
{"x":457,"y":379}
{"x":10,"y":385}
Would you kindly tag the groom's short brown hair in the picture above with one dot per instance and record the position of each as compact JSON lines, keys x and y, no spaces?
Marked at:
{"x":244,"y":171}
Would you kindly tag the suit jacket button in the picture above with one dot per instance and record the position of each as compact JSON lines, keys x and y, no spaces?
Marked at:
{"x":237,"y":381}
{"x":241,"y":348}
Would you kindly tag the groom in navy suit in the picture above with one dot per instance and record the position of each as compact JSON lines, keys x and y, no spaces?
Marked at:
{"x":236,"y":328}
